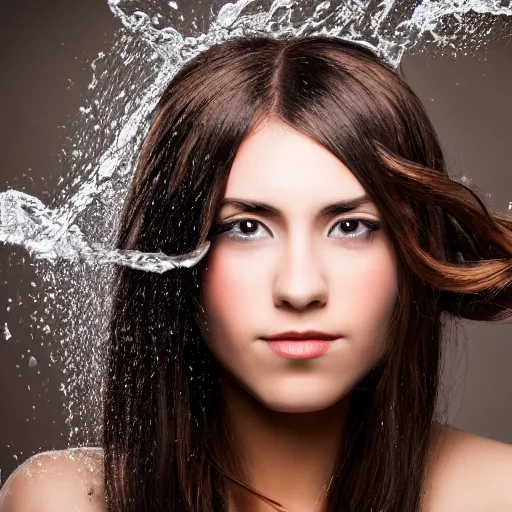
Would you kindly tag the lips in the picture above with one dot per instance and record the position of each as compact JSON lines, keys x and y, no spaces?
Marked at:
{"x":299,"y":349}
{"x":300,"y":345}
{"x":301,"y":336}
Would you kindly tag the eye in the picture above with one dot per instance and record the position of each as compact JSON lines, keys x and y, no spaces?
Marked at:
{"x":248,"y":229}
{"x":245,"y":231}
{"x":353,"y":227}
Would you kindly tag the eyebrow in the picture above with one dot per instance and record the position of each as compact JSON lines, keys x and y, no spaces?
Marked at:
{"x":270,"y":211}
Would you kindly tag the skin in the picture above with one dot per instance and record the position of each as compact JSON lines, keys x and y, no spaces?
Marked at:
{"x":294,"y":272}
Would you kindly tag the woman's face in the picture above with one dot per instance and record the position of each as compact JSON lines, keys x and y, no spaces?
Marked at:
{"x":296,"y":270}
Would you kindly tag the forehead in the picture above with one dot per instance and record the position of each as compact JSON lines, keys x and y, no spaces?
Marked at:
{"x":276,"y":161}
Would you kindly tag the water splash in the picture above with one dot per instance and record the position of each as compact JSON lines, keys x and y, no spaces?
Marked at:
{"x":389,"y":27}
{"x":71,"y":239}
{"x":24,"y":220}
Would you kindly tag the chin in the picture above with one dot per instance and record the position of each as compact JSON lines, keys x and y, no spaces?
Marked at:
{"x":295,"y":408}
{"x":298,"y":402}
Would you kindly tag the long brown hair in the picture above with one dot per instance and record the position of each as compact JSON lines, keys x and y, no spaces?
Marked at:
{"x":167,"y":441}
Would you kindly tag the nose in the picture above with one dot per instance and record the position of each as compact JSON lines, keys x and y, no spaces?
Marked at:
{"x":300,"y":282}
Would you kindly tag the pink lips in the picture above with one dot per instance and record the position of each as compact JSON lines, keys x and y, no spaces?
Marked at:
{"x":300,"y":345}
{"x":299,"y":349}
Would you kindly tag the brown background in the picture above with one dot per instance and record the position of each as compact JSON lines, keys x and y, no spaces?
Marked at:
{"x":46,"y":50}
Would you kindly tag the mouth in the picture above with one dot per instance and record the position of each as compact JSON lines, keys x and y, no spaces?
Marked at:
{"x":299,"y":349}
{"x":302,"y":336}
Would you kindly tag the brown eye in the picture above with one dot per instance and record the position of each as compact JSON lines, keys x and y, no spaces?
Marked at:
{"x":351,"y":228}
{"x":247,"y":227}
{"x":349,"y":225}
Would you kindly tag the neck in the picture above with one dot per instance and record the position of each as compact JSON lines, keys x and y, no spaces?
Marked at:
{"x":288,"y":457}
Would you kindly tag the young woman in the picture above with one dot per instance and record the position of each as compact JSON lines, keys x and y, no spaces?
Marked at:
{"x":315,"y":173}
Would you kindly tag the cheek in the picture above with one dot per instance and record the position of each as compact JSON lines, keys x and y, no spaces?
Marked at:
{"x":228,"y":291}
{"x":370,"y":280}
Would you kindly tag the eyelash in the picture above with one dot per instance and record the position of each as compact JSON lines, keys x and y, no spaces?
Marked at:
{"x":226,"y":227}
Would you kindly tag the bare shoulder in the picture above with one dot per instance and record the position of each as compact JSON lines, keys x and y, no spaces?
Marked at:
{"x":468,"y":473}
{"x":56,"y":481}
